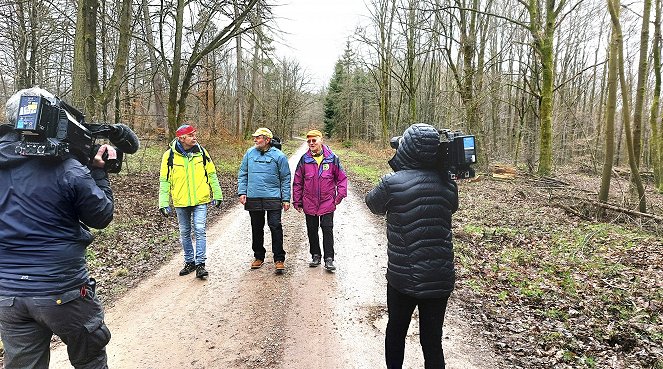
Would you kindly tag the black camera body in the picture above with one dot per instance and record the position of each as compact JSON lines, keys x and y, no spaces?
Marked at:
{"x":456,"y":153}
{"x":52,"y":128}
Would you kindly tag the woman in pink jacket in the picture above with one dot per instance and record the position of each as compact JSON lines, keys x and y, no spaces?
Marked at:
{"x":319,"y":185}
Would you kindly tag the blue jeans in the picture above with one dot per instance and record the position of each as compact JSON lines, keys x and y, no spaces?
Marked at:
{"x":196,"y":215}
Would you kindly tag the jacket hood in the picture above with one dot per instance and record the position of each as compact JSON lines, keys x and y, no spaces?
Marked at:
{"x":9,"y":138}
{"x":177,"y":147}
{"x":417,"y":149}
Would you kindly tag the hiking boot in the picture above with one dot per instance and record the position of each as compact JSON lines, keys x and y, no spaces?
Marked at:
{"x":279,"y":266}
{"x":329,"y":264}
{"x":315,"y":261}
{"x":257,"y":263}
{"x":188,"y":268}
{"x":200,"y":271}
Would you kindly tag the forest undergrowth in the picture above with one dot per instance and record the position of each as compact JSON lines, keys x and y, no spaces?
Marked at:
{"x":557,"y":290}
{"x":552,"y":285}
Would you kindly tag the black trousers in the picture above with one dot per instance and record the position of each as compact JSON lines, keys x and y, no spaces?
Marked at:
{"x":326,"y":222}
{"x":431,"y":319}
{"x":258,"y":233}
{"x":28,"y":323}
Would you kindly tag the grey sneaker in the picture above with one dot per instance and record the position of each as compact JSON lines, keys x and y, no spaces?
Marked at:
{"x":315,"y":261}
{"x":188,"y":268}
{"x":329,"y":264}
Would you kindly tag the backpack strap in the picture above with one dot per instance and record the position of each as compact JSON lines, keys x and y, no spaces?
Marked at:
{"x":172,"y":155}
{"x":205,"y":159}
{"x":170,"y":163}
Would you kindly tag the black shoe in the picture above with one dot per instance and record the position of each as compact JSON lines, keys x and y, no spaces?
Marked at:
{"x":315,"y":261}
{"x":200,"y":271}
{"x":329,"y":264}
{"x":188,"y":268}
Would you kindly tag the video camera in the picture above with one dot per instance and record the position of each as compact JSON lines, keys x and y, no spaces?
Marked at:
{"x":455,"y":153}
{"x":50,"y":127}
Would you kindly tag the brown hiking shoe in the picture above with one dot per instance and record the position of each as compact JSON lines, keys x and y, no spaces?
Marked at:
{"x":279,"y":266}
{"x":257,"y":263}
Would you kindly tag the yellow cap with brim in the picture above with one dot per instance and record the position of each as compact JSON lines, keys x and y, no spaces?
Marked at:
{"x":263,"y":132}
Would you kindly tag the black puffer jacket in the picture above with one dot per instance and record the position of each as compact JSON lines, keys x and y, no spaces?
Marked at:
{"x":418,"y":201}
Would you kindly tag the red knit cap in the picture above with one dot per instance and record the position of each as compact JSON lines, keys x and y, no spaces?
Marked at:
{"x":184,"y":129}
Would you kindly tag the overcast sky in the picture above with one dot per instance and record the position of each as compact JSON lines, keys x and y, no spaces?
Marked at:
{"x":315,"y":32}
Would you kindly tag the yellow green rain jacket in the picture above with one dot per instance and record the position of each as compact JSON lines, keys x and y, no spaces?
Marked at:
{"x":191,"y":180}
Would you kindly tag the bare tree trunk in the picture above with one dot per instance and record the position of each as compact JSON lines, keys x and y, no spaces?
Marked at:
{"x":613,"y":7}
{"x":157,"y":75}
{"x":22,"y":54}
{"x":640,"y":87}
{"x":410,"y":62}
{"x":255,"y":65}
{"x":654,"y":118}
{"x":611,"y":108}
{"x":85,"y":79}
{"x":239,"y":105}
{"x":85,"y":83}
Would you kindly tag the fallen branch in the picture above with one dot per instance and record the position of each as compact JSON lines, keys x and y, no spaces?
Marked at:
{"x":618,"y":208}
{"x":574,"y":212}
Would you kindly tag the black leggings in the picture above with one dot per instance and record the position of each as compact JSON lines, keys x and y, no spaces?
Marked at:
{"x":431,"y":319}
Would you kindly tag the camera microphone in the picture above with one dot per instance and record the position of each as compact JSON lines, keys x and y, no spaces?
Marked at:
{"x":124,"y":138}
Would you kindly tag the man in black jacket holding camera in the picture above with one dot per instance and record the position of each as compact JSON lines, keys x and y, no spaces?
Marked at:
{"x":418,"y":199}
{"x":47,"y":205}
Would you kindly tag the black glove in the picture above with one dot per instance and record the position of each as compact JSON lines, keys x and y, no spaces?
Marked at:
{"x":216,"y":203}
{"x":165,"y":211}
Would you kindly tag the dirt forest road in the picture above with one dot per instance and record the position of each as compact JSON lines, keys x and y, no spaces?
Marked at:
{"x":305,"y":318}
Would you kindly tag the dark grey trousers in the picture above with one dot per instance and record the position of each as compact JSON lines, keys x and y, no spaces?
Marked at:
{"x":28,"y":323}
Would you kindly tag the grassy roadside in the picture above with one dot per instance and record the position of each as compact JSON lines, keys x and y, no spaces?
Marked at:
{"x":550,"y":289}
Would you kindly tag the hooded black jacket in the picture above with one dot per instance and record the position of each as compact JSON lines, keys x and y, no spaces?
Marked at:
{"x":45,"y":206}
{"x":418,"y":201}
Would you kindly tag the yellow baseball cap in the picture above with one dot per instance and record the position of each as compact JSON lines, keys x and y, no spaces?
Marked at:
{"x":314,"y":133}
{"x":263,"y":132}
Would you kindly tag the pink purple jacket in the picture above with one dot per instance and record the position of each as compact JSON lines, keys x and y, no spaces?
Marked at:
{"x":318,"y":189}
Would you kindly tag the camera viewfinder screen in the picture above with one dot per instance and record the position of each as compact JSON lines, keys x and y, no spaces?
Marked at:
{"x":28,"y":111}
{"x":468,"y":147}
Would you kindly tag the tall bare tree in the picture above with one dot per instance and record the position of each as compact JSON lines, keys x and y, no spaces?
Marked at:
{"x":86,"y":84}
{"x":613,"y":7}
{"x":642,"y":77}
{"x":654,"y":116}
{"x":180,"y":68}
{"x":382,"y":16}
{"x":611,"y":108}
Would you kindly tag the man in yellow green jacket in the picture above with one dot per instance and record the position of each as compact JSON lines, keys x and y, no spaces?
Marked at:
{"x":188,"y":175}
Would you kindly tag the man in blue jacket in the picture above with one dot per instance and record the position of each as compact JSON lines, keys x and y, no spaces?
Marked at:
{"x":47,"y":205}
{"x":263,"y":186}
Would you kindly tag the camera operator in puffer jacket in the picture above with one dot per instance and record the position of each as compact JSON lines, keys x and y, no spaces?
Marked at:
{"x":418,"y":200}
{"x":46,"y":205}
